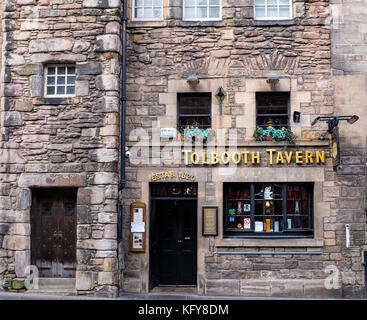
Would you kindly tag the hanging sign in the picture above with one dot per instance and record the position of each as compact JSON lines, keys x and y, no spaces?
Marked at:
{"x":335,"y":148}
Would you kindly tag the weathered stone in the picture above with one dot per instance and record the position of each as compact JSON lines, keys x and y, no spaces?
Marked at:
{"x":103,"y":4}
{"x":29,"y":69}
{"x":106,"y":104}
{"x":85,"y":280}
{"x":37,"y":46}
{"x":89,"y":68}
{"x":24,"y":105}
{"x":23,"y":197}
{"x":22,"y":260}
{"x":15,"y":242}
{"x":108,"y":43}
{"x":107,"y":82}
{"x":59,"y":44}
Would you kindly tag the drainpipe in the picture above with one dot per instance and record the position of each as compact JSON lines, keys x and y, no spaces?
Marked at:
{"x":123,"y":97}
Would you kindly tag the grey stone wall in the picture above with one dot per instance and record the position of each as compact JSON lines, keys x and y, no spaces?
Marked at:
{"x":66,"y":142}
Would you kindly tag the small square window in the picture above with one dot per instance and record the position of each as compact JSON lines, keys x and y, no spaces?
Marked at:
{"x":194,"y":110}
{"x":202,"y":10}
{"x":272,"y":9}
{"x":59,"y":81}
{"x":147,"y":9}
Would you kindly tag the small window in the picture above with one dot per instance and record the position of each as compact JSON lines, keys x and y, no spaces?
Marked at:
{"x":272,"y":9}
{"x":202,"y":10}
{"x":60,"y":81}
{"x":268,"y":209}
{"x":194,"y":109}
{"x":272,"y":108}
{"x":148,"y":9}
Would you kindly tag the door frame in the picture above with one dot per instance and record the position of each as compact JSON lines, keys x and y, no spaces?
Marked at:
{"x":151,"y":285}
{"x":36,"y":192}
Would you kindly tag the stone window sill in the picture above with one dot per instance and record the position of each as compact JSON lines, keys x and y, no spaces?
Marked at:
{"x":220,"y":23}
{"x":267,"y":243}
{"x":266,"y":23}
{"x":142,"y":23}
{"x":55,"y":101}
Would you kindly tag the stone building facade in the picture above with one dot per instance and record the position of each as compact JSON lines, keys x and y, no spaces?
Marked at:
{"x":237,"y":53}
{"x":64,"y":142}
{"x":60,"y":150}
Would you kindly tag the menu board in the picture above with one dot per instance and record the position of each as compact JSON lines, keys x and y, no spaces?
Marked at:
{"x":210,"y":221}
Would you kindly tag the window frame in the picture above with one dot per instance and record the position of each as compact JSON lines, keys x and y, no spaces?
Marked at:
{"x":278,"y":6}
{"x":184,"y":18}
{"x":274,"y":115}
{"x":210,"y":115}
{"x":285,"y":233}
{"x":45,"y":83}
{"x":146,"y":19}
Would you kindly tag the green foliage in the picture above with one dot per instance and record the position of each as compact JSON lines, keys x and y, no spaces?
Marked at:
{"x":282,"y":134}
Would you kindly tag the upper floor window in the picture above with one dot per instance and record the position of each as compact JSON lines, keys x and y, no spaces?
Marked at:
{"x":272,"y":9}
{"x":202,"y":9}
{"x":59,"y":81}
{"x":272,"y":108}
{"x":194,"y":109}
{"x":147,"y":9}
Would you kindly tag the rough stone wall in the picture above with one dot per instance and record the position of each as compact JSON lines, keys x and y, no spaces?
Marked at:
{"x":66,"y":142}
{"x":349,"y":64}
{"x":237,"y":53}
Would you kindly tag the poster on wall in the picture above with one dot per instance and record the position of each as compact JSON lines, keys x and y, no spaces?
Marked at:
{"x":210,"y":221}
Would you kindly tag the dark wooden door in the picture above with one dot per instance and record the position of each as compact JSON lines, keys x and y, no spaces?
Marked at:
{"x":54,"y":232}
{"x":176,"y":247}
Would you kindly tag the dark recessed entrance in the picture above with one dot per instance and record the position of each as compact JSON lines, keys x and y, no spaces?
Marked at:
{"x":53,"y":220}
{"x":173,"y":235}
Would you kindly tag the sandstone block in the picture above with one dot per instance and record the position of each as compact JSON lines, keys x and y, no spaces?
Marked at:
{"x":85,"y":280}
{"x":105,"y":178}
{"x":102,"y":4}
{"x":22,"y":260}
{"x":37,"y":46}
{"x":107,"y":278}
{"x":23,"y":197}
{"x":59,"y":44}
{"x":89,"y":68}
{"x":222,"y":287}
{"x":108,"y":43}
{"x":107,"y":155}
{"x":15,"y":242}
{"x":107,"y":82}
{"x":106,"y":104}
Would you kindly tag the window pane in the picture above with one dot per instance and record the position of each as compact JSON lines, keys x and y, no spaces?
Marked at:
{"x":157,"y":3}
{"x":272,"y":2}
{"x":214,"y":2}
{"x":60,"y":80}
{"x":70,"y":90}
{"x":51,"y":70}
{"x":214,"y":12}
{"x":157,"y":12}
{"x":139,"y":13}
{"x":202,"y":12}
{"x":50,"y":90}
{"x":272,"y":12}
{"x":139,"y":3}
{"x":71,"y":80}
{"x":257,"y":2}
{"x":259,"y":12}
{"x":284,"y":2}
{"x":50,"y":80}
{"x":60,"y":90}
{"x":284,"y":12}
{"x":71,"y":70}
{"x":148,"y":12}
{"x":202,"y":2}
{"x":61,"y":70}
{"x":148,"y":3}
{"x":189,"y":13}
{"x":190,"y":3}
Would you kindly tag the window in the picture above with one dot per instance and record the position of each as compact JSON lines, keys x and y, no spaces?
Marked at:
{"x":194,"y":109}
{"x":147,"y":9}
{"x":272,"y":108}
{"x":268,"y":209}
{"x":272,"y":9}
{"x":202,"y":10}
{"x":59,"y":81}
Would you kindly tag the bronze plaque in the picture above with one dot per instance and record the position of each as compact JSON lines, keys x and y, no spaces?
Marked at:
{"x":210,"y":221}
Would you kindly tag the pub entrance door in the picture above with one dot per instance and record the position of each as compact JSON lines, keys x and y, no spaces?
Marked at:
{"x":173,"y":241}
{"x":53,"y":232}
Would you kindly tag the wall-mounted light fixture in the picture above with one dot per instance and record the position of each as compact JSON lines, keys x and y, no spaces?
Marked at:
{"x":333,"y":129}
{"x":272,"y":79}
{"x":220,"y":94}
{"x":193,"y":80}
{"x":296,"y":117}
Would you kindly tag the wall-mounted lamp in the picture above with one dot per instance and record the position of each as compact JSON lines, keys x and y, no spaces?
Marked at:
{"x":272,"y":79}
{"x":193,"y":80}
{"x":296,"y":116}
{"x":333,"y":129}
{"x":220,"y":94}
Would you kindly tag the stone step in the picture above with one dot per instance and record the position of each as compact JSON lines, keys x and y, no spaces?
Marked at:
{"x":51,"y":292}
{"x":56,"y":283}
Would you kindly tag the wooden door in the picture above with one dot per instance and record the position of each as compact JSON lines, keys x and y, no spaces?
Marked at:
{"x":53,"y":232}
{"x":176,"y":246}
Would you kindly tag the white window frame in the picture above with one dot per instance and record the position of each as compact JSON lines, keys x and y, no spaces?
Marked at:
{"x":273,"y":5}
{"x":45,"y":85}
{"x":145,"y":19}
{"x":201,"y":19}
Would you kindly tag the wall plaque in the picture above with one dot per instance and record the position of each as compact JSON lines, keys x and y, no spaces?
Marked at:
{"x":210,"y":221}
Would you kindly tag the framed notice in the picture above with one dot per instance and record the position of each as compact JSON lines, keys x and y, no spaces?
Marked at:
{"x":210,"y":221}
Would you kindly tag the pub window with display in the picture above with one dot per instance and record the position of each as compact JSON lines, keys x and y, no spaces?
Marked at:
{"x":268,"y":209}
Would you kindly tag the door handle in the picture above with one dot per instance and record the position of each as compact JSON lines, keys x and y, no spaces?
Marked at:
{"x":187,"y":238}
{"x":179,"y":241}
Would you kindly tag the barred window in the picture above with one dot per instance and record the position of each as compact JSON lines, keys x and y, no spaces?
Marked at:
{"x":268,"y":209}
{"x":202,"y":10}
{"x":59,"y":81}
{"x":272,"y":9}
{"x":147,"y":9}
